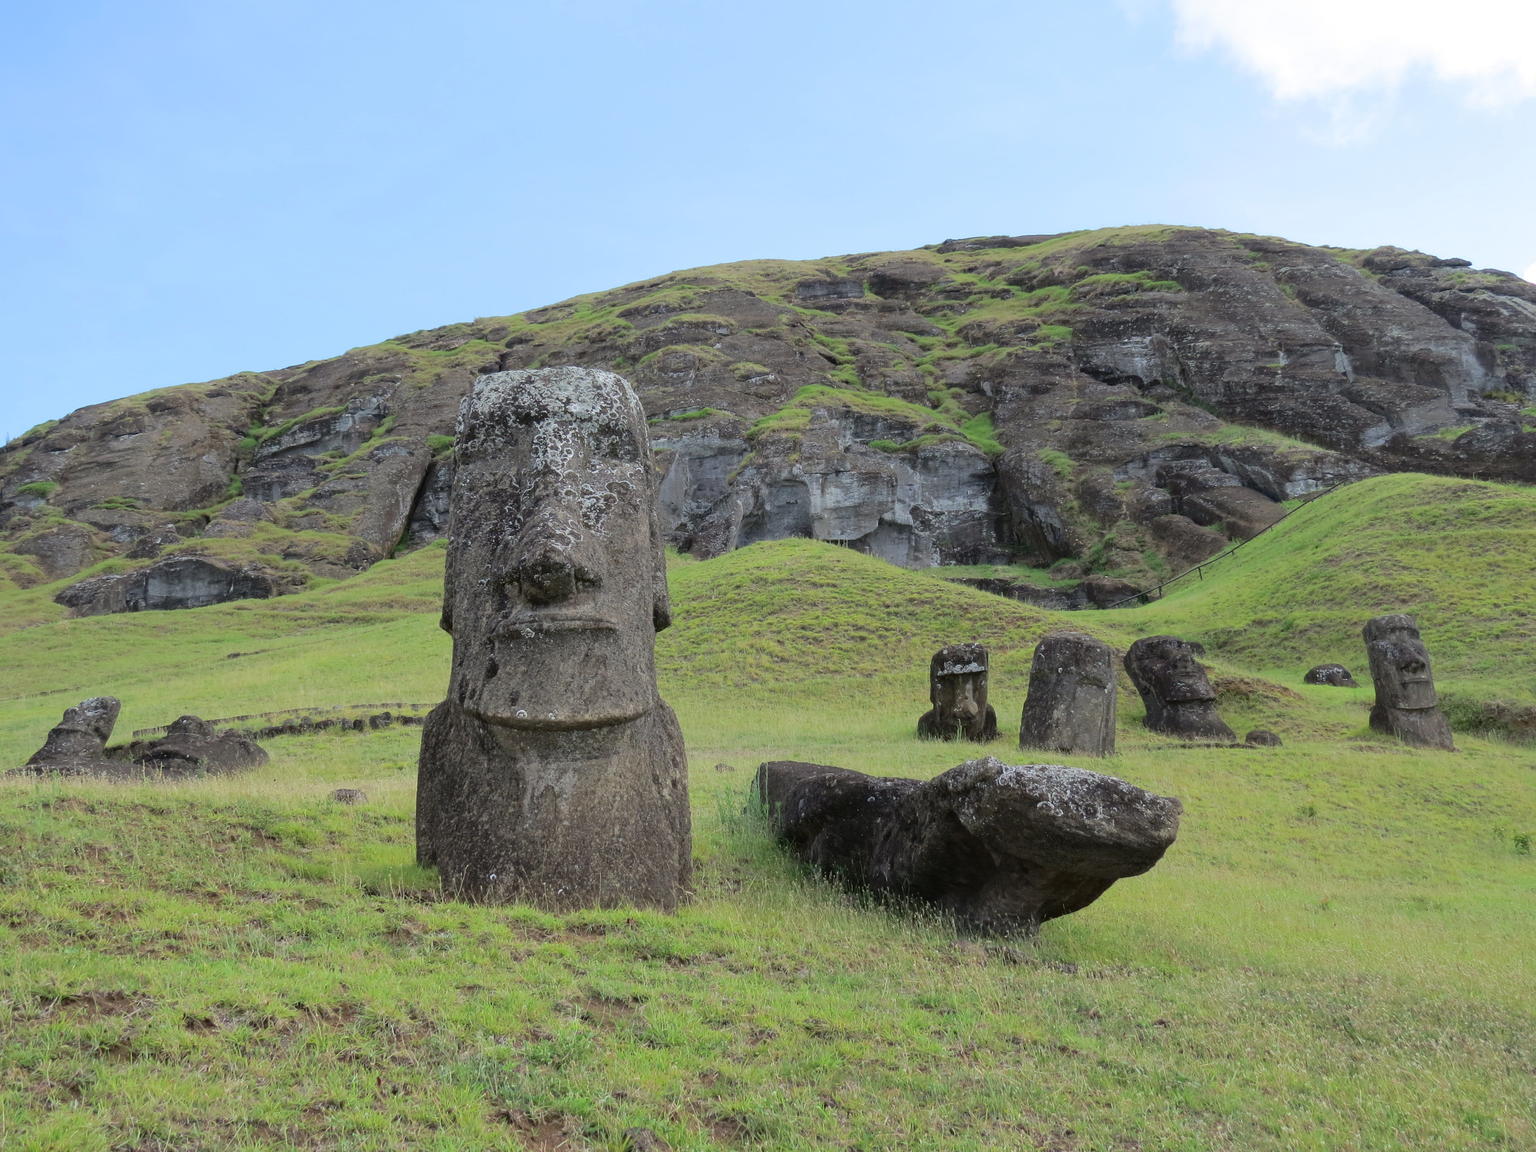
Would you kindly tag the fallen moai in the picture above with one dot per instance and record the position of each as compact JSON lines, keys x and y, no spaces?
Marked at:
{"x":957,"y":689}
{"x":1179,"y":698}
{"x":77,"y":746}
{"x":553,"y":773}
{"x":1406,"y":703}
{"x":1071,"y":702}
{"x":1335,"y":675}
{"x":1001,"y":847}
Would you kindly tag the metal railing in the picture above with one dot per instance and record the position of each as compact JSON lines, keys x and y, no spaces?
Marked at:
{"x":1155,"y":592}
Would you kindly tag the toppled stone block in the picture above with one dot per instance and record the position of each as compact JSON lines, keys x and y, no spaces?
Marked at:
{"x":1262,"y":738}
{"x":77,"y":745}
{"x":192,"y":746}
{"x":1001,"y":847}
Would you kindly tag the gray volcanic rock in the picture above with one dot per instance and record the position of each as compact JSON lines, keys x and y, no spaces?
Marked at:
{"x":1124,"y":400}
{"x":1406,"y":703}
{"x":957,"y":689}
{"x":1179,"y":698}
{"x":1071,"y":702}
{"x":193,"y":747}
{"x":77,"y":744}
{"x":1335,"y":675}
{"x":553,"y":773}
{"x":176,"y":582}
{"x":1262,"y":738}
{"x":1000,"y":847}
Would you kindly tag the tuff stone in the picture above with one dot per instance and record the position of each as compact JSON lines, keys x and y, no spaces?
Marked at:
{"x":1000,"y":847}
{"x":1335,"y":675}
{"x":957,"y":689}
{"x":77,"y":744}
{"x":1179,"y":698}
{"x":1407,"y":706}
{"x":1070,"y":706}
{"x":553,"y":773}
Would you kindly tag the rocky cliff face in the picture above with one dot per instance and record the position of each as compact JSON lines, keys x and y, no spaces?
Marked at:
{"x":1120,"y":402}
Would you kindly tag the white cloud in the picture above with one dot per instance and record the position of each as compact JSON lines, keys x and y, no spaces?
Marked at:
{"x":1338,"y":48}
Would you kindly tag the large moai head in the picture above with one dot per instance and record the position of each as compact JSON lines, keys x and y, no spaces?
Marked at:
{"x":1071,"y":702}
{"x":957,"y":689}
{"x":555,"y":583}
{"x":1406,"y":705}
{"x":1399,"y":663}
{"x":1179,"y":698}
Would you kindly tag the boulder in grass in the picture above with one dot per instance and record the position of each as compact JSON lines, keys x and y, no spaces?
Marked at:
{"x":1000,"y":847}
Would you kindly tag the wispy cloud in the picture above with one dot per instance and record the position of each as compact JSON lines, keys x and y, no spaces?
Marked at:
{"x":1347,"y":50}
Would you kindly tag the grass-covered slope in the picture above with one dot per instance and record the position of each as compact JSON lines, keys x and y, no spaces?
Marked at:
{"x":1335,"y":954}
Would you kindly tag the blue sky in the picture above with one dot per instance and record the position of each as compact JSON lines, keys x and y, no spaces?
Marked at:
{"x":194,"y":189}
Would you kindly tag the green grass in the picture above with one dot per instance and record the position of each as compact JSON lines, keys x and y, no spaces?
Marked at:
{"x":1335,"y":954}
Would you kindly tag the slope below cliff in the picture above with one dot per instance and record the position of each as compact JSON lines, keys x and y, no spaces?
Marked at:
{"x":1121,"y":402}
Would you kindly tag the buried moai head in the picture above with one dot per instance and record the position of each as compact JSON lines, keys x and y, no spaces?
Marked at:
{"x":555,"y":584}
{"x":1179,"y":698}
{"x":1071,"y":702}
{"x":957,"y":689}
{"x":1406,"y":704}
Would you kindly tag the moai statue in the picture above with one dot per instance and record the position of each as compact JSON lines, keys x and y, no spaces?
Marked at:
{"x":77,"y":745}
{"x":1179,"y":699}
{"x":1071,"y":701}
{"x":957,"y":687}
{"x":1406,"y":704}
{"x":1334,"y":675}
{"x":553,"y":773}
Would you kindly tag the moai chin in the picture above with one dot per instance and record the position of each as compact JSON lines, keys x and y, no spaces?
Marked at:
{"x":957,"y":688}
{"x":554,"y":773}
{"x":1406,"y":704}
{"x":1071,"y":701}
{"x":1179,"y":698}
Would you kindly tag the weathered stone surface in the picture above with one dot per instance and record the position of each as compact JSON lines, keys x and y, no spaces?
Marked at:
{"x":1179,"y":698}
{"x":1000,"y":847}
{"x":1071,"y":702}
{"x":553,"y":773}
{"x":1335,"y":675}
{"x":1406,"y":703}
{"x":60,"y":551}
{"x":77,"y":744}
{"x":957,"y":689}
{"x":823,"y":398}
{"x":192,"y":746}
{"x":176,"y":582}
{"x":1262,"y":738}
{"x":349,"y":796}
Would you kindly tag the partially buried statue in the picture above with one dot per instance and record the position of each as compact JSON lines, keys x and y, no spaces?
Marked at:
{"x":1071,"y":701}
{"x":957,"y":688}
{"x":1179,"y":699}
{"x":1000,"y":847}
{"x":553,"y":773}
{"x":1406,"y":704}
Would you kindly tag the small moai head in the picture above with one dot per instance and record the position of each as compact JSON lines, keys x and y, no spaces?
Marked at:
{"x":555,"y":584}
{"x":1399,"y":663}
{"x":957,"y":684}
{"x":1166,"y":667}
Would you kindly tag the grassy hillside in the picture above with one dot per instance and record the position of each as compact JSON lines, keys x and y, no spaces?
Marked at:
{"x":1334,"y":955}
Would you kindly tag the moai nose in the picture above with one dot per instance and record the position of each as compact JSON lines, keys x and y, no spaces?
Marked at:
{"x":553,"y":575}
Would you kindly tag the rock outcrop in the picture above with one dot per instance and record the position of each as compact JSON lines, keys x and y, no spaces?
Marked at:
{"x":1119,"y":401}
{"x":1000,"y":847}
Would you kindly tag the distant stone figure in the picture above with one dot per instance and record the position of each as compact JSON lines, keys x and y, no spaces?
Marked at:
{"x":1071,"y":701}
{"x":1406,"y":704}
{"x":1179,"y":699}
{"x":1335,"y":675}
{"x":77,"y":745}
{"x":553,"y":773}
{"x":1262,"y":738}
{"x":957,"y":688}
{"x":1001,"y":847}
